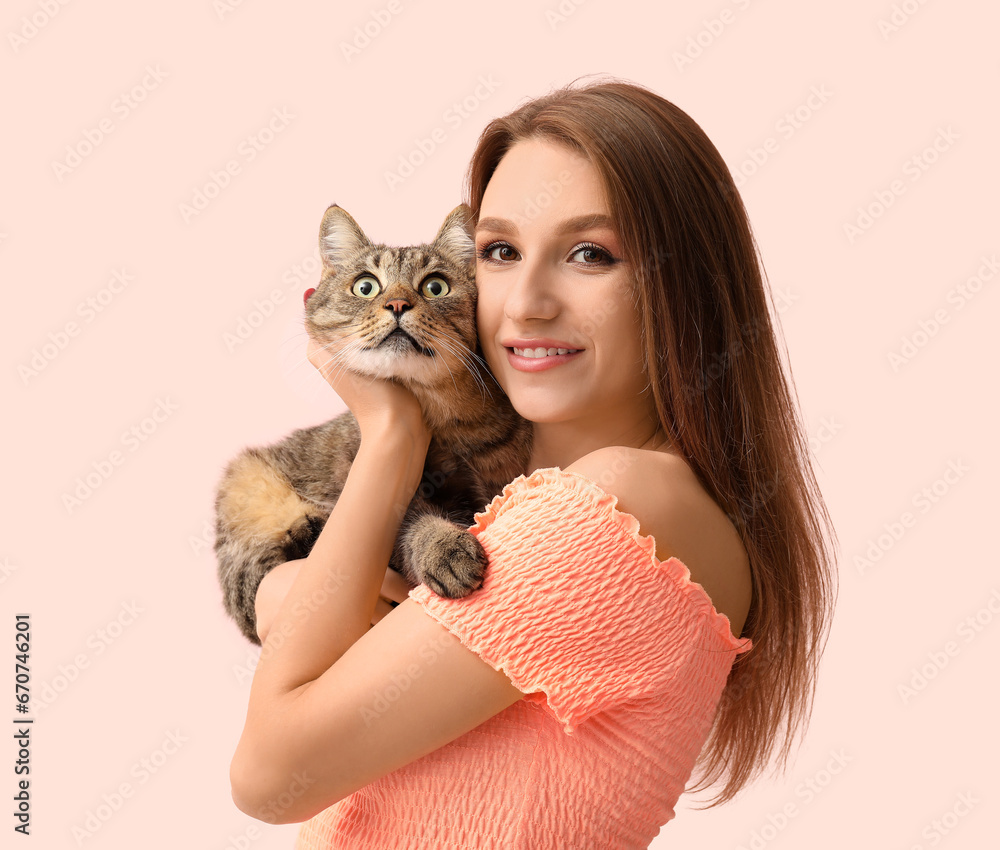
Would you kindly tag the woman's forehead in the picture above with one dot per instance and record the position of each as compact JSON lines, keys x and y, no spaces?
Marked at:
{"x":538,"y":167}
{"x":544,"y":185}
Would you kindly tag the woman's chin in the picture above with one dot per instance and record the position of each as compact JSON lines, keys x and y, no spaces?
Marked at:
{"x":541,"y":411}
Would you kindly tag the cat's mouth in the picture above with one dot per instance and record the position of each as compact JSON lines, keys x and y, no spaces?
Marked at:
{"x":399,"y":340}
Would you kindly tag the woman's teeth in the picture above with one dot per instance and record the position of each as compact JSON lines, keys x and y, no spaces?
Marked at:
{"x":543,"y":352}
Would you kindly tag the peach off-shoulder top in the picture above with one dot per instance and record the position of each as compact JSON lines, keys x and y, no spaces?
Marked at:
{"x":622,"y":658}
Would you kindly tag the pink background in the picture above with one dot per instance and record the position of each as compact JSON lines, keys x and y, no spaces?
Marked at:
{"x":111,"y":686}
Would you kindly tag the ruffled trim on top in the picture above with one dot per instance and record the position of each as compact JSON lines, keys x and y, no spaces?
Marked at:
{"x":521,"y":486}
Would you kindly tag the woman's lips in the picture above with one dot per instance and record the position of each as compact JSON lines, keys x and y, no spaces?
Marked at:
{"x":539,"y":364}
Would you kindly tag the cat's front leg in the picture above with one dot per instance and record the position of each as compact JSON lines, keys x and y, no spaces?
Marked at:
{"x":441,"y":554}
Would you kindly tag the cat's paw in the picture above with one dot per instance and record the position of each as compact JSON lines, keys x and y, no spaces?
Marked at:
{"x":450,"y":561}
{"x":299,"y":539}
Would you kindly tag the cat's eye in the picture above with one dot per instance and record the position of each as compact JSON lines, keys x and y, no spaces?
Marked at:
{"x":434,"y":287}
{"x":366,"y":287}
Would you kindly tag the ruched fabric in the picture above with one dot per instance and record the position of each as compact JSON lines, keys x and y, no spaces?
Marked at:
{"x":622,"y":659}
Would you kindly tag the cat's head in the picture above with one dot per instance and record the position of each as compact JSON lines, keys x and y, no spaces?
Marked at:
{"x":409,"y":313}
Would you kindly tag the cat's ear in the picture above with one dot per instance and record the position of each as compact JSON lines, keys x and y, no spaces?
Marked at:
{"x":456,"y":235}
{"x":339,"y":236}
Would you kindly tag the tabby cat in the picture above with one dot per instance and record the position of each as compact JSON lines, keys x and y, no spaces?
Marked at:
{"x":410,"y":314}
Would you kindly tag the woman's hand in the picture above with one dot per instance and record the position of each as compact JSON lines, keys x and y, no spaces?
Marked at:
{"x":377,"y":404}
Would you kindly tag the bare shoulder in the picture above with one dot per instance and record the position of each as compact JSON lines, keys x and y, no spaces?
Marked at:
{"x":662,"y":492}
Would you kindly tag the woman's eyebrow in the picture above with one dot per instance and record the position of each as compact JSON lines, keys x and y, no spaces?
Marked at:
{"x":569,"y":225}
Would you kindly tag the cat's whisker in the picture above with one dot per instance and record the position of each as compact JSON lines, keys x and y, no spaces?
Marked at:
{"x":440,"y":330}
{"x":295,"y":338}
{"x":342,"y":357}
{"x":484,"y":391}
{"x":472,"y":354}
{"x":485,"y":368}
{"x":252,"y":540}
{"x":479,"y":360}
{"x":351,"y":343}
{"x":463,"y":353}
{"x":440,"y":342}
{"x":460,"y":355}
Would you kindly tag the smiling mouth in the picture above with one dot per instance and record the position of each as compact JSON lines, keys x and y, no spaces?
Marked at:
{"x":538,"y":353}
{"x":397,"y":337}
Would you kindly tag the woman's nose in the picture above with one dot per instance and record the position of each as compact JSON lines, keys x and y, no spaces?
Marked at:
{"x":531,"y":295}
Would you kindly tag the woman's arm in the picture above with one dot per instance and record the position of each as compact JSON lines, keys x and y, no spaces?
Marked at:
{"x":275,"y":586}
{"x":332,"y":599}
{"x":332,"y":596}
{"x":308,"y":739}
{"x":320,"y":724}
{"x":271,"y":592}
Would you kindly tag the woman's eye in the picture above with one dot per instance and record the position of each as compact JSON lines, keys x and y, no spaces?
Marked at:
{"x":365,"y":287}
{"x":589,"y":254}
{"x":434,"y":287}
{"x":506,"y":252}
{"x":592,"y":255}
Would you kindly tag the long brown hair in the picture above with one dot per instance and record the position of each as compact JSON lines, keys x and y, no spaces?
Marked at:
{"x":720,"y":390}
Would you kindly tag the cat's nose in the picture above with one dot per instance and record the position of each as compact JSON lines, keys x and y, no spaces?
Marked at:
{"x":398,"y":306}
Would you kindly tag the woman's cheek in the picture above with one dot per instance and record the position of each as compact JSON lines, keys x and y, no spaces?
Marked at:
{"x":486,"y":315}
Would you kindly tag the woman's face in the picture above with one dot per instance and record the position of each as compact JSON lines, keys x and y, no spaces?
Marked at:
{"x":555,"y":314}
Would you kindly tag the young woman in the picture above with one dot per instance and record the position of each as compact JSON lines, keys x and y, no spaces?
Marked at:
{"x":659,"y":586}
